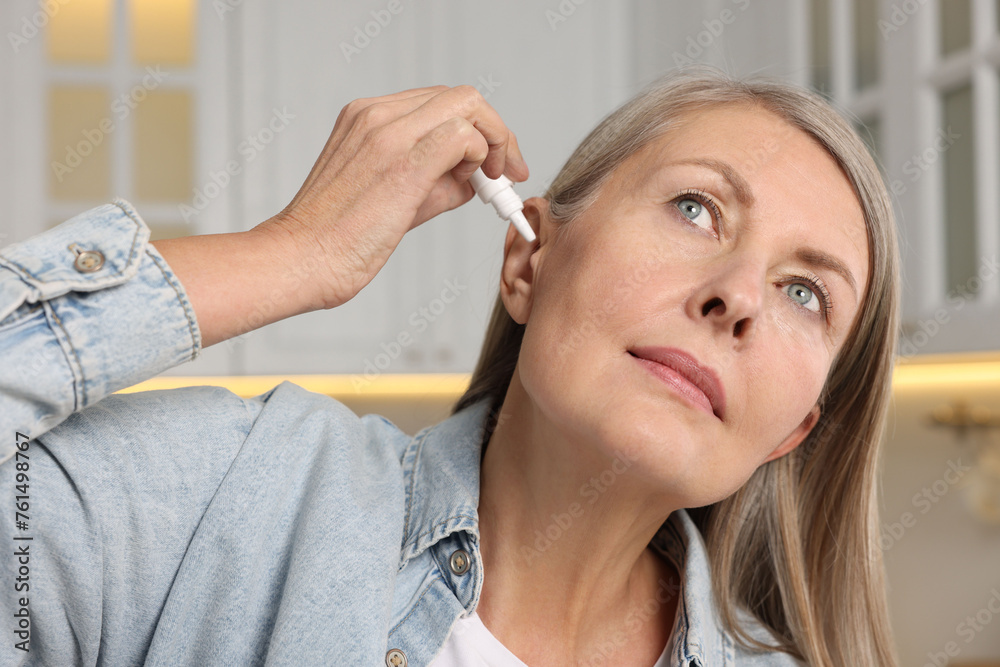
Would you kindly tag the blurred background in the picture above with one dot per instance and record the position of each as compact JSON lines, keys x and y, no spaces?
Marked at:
{"x":208,"y":114}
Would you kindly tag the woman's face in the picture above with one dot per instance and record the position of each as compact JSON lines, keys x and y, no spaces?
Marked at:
{"x":708,"y":241}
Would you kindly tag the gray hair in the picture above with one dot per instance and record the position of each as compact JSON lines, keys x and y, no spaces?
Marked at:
{"x":797,"y":545}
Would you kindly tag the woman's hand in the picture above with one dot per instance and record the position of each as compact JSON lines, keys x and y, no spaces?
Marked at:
{"x":390,"y":164}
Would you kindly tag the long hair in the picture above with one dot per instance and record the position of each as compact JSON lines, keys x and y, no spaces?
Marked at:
{"x":797,"y":545}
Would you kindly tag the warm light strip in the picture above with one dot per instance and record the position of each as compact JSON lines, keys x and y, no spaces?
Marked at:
{"x":403,"y":385}
{"x":928,"y":376}
{"x":908,"y":375}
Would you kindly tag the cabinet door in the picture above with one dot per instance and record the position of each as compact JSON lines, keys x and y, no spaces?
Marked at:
{"x":550,"y":74}
{"x":267,"y":81}
{"x":921,"y":79}
{"x":115,"y":98}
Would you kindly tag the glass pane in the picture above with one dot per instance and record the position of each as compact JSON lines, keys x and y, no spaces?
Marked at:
{"x":866,"y":43}
{"x":79,"y":31}
{"x":956,"y":25}
{"x":162,"y":31}
{"x":164,"y":148}
{"x":81,"y":130}
{"x":955,"y":143}
{"x":819,"y":43}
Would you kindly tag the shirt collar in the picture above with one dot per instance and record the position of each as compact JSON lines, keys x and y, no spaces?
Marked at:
{"x":441,"y":467}
{"x":699,"y":632}
{"x":442,"y":471}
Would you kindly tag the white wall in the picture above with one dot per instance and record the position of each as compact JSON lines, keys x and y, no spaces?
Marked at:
{"x":943,"y":563}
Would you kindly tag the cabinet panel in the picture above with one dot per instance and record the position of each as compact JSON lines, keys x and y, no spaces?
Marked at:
{"x":550,"y":76}
{"x":269,"y":80}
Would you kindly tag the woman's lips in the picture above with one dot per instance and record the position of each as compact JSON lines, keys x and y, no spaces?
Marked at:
{"x":686,"y":376}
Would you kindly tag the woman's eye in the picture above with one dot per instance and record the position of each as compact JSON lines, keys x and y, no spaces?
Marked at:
{"x":696,"y":212}
{"x":804,"y":294}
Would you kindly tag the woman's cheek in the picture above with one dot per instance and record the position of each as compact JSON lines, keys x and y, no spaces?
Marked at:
{"x":799,"y":330}
{"x":787,"y":327}
{"x":792,"y":378}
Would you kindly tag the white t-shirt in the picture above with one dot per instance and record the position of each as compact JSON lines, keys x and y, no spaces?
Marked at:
{"x":471,"y":644}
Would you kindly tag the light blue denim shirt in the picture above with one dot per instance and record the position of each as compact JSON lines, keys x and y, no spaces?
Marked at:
{"x":194,"y":527}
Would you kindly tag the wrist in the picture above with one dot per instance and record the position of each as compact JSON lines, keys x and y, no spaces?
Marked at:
{"x":310,"y":270}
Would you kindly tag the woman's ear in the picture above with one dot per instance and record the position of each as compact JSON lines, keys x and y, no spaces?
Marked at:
{"x":797,"y":436}
{"x":521,"y":260}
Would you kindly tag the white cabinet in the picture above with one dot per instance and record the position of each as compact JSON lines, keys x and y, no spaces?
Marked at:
{"x":550,"y":75}
{"x":270,"y":78}
{"x":113,"y":99}
{"x":923,"y":77}
{"x":921,"y":80}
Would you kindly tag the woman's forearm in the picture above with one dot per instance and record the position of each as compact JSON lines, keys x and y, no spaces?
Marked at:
{"x":241,"y":281}
{"x":390,"y":164}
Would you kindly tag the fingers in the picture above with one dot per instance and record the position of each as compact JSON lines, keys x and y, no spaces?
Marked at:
{"x":455,"y":145}
{"x":401,"y":95}
{"x":438,"y":129}
{"x":407,"y":100}
{"x":446,"y":195}
{"x":503,"y":155}
{"x":424,"y":109}
{"x":514,"y":149}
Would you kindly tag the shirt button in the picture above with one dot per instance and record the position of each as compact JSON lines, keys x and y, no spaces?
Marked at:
{"x":459,"y":562}
{"x":395,"y":658}
{"x":89,"y":261}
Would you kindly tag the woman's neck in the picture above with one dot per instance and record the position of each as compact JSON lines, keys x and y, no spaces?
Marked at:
{"x":564,"y":532}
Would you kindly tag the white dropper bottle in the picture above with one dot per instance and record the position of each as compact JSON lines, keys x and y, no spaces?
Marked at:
{"x":500,"y":193}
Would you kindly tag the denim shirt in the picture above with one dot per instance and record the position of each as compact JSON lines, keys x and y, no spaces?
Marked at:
{"x":195,"y":527}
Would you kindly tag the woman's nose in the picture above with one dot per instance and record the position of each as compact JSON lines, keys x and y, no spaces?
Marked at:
{"x":731,"y":299}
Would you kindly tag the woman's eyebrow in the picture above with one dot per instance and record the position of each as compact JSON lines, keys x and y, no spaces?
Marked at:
{"x":819,"y":259}
{"x":744,"y":195}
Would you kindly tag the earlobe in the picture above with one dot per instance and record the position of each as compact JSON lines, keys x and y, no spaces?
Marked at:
{"x":796,"y":437}
{"x":517,"y":277}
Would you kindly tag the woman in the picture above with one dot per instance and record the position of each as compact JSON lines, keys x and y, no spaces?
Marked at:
{"x":707,"y":320}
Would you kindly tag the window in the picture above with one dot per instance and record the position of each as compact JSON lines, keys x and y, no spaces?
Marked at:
{"x":121,"y":119}
{"x":921,"y":81}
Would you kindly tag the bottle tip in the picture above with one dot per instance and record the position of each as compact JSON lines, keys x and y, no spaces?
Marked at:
{"x":521,"y":224}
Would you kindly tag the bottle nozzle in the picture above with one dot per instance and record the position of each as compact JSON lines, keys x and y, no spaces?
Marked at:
{"x":500,"y":193}
{"x":521,"y":224}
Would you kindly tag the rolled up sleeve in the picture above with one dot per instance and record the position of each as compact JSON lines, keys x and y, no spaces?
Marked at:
{"x":86,"y":308}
